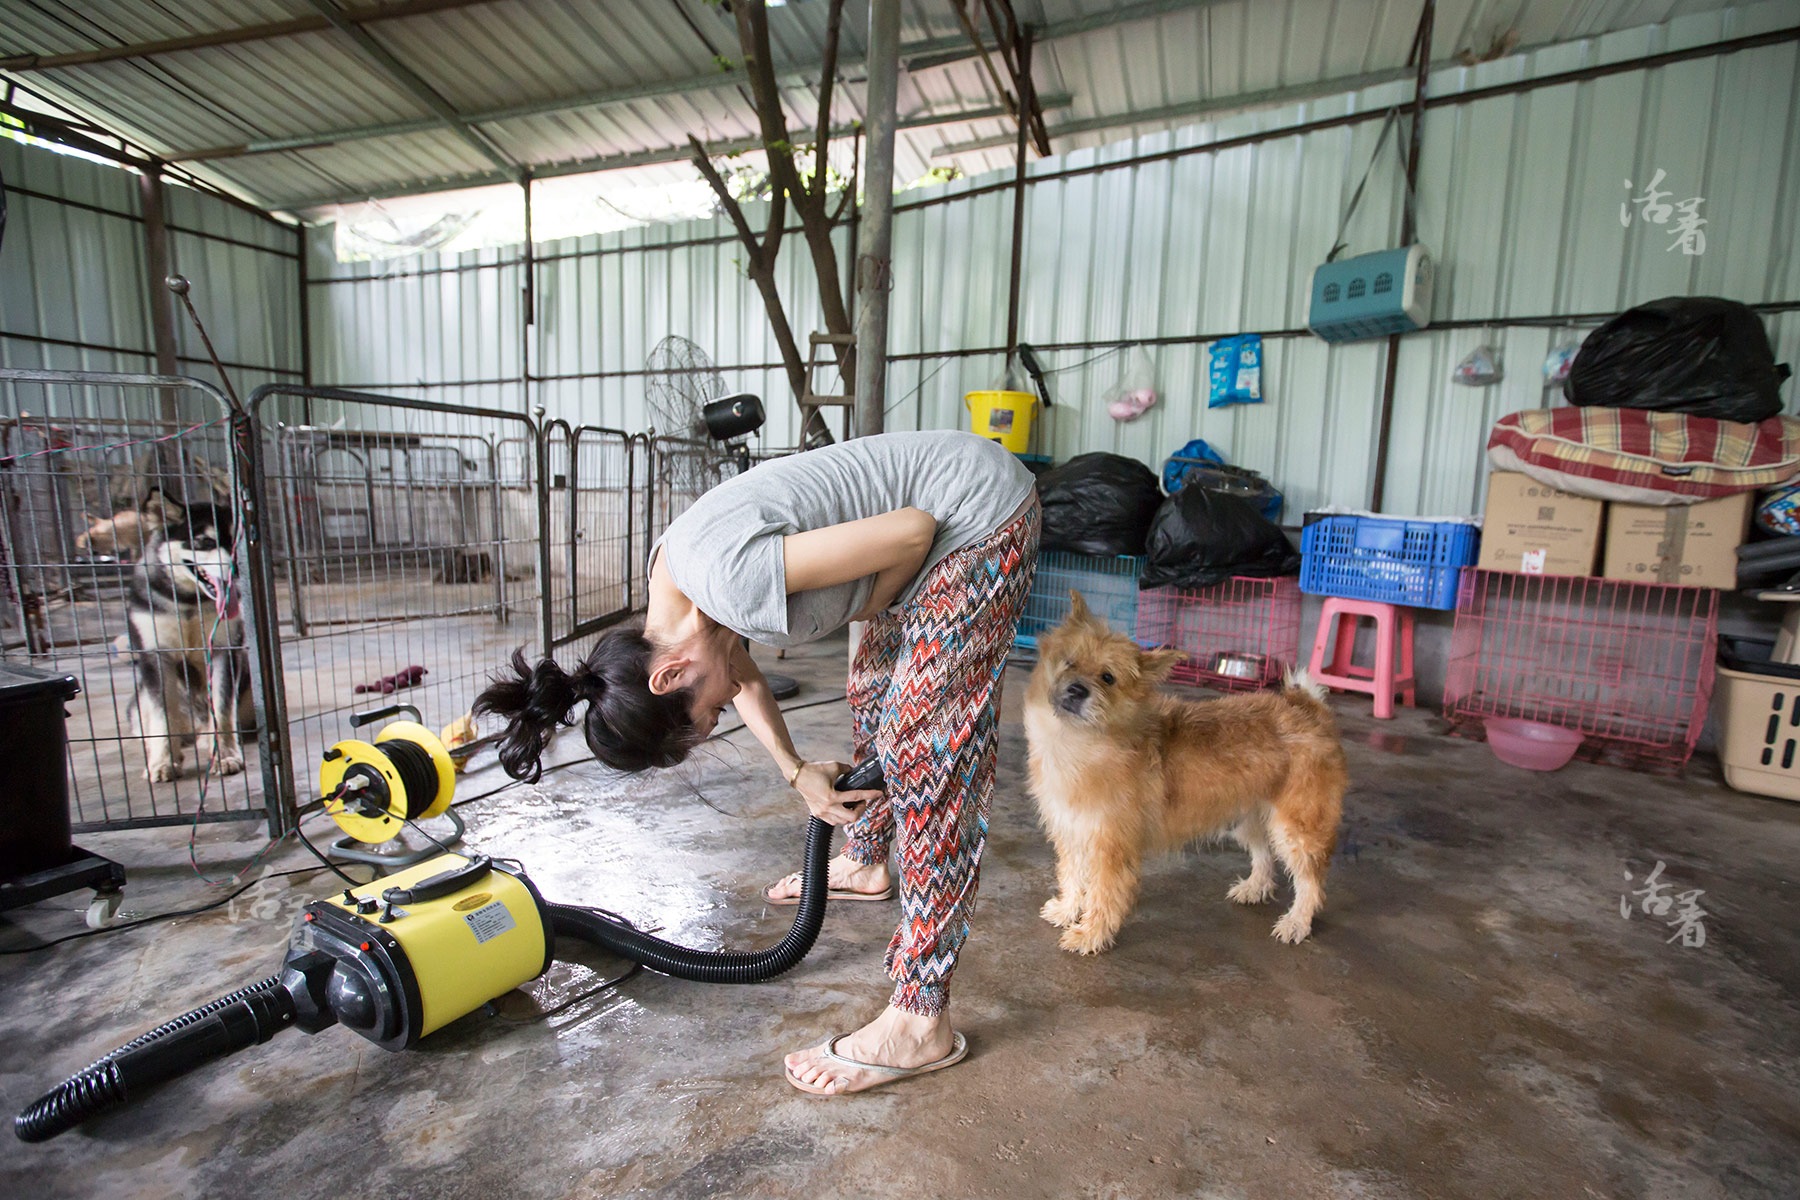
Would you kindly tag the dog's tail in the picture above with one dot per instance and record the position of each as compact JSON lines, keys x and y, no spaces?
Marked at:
{"x":1298,"y":680}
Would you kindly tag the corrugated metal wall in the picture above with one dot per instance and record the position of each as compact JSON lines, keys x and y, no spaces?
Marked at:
{"x":73,"y":292}
{"x":447,"y":327}
{"x":1519,"y":200}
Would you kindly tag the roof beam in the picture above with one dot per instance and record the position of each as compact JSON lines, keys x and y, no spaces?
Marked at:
{"x":229,"y":37}
{"x":917,"y":56}
{"x":409,"y":80}
{"x":1245,"y":101}
{"x":645,"y":158}
{"x":1218,"y":106}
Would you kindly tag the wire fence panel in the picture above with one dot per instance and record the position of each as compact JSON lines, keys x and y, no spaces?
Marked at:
{"x":684,"y":471}
{"x":410,"y":559}
{"x":606,"y":542}
{"x":121,"y":564}
{"x":560,"y":533}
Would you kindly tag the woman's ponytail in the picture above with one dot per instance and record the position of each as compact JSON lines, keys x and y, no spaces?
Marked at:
{"x":534,"y":700}
{"x":628,"y":727}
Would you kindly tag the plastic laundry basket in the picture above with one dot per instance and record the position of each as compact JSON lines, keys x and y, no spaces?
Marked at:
{"x":1004,"y":416}
{"x":1758,"y":705}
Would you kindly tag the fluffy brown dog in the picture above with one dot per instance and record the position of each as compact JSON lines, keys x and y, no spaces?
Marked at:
{"x":1120,"y":770}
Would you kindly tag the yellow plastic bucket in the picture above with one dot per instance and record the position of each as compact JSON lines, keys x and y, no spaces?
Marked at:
{"x":1003,"y":416}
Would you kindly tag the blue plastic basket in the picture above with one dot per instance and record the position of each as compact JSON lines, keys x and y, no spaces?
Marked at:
{"x":1416,"y":563}
{"x":1108,"y":585}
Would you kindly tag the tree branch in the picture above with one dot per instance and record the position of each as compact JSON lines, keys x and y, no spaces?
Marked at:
{"x":762,"y":263}
{"x":855,"y":171}
{"x":827,"y":76}
{"x":726,"y":200}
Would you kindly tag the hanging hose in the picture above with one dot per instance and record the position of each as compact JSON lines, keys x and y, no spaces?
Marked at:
{"x":709,"y":966}
{"x":238,"y":1019}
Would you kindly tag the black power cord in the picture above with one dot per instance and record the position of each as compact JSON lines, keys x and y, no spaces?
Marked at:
{"x":168,"y":916}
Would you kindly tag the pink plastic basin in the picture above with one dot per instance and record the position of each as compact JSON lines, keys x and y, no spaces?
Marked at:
{"x":1531,"y":744}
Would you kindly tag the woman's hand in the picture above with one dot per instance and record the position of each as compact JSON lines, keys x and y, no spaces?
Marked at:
{"x":815,"y":785}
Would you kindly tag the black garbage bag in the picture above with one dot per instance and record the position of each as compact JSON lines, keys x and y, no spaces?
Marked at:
{"x":1201,"y":537}
{"x":1698,"y":355}
{"x":1098,"y":504}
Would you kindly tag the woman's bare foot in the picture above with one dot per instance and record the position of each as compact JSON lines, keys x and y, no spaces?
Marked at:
{"x":846,"y":875}
{"x":896,"y":1038}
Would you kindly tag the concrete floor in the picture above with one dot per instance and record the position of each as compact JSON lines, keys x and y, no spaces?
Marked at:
{"x":1472,"y":1017}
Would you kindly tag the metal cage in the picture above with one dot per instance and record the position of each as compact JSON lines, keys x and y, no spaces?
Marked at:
{"x":100,"y":473}
{"x":1628,"y":665}
{"x":1109,"y":586}
{"x":1254,"y":622}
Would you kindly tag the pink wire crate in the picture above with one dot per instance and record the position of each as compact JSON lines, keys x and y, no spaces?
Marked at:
{"x":1256,"y":618}
{"x":1628,"y":665}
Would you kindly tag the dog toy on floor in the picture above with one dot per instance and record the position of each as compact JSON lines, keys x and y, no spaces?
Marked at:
{"x":459,"y":732}
{"x":411,"y":677}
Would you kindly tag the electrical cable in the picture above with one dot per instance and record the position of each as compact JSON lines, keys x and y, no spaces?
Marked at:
{"x":168,"y":916}
{"x":1108,"y":353}
{"x":329,"y":865}
{"x":546,"y":1014}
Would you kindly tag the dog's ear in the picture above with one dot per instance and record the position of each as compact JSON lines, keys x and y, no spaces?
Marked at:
{"x":1156,"y":664}
{"x":162,"y":508}
{"x":1078,"y":609}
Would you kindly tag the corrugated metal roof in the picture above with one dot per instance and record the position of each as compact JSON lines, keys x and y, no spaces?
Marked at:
{"x":1144,"y":57}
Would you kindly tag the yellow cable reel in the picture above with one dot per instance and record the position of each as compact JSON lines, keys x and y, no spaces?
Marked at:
{"x":373,"y":789}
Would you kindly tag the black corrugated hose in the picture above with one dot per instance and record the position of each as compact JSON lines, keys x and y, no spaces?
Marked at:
{"x":711,"y":966}
{"x":228,"y":1024}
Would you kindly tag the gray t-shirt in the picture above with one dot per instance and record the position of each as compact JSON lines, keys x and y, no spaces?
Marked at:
{"x":725,"y":555}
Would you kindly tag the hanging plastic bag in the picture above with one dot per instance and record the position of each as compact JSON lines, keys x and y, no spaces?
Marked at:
{"x":1135,"y":393}
{"x":1479,"y":369}
{"x":1558,"y":362}
{"x":1236,"y":370}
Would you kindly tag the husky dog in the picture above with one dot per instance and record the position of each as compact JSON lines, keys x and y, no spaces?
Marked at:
{"x":123,"y":534}
{"x":187,"y":643}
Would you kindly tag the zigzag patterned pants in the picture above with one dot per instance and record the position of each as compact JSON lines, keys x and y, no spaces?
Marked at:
{"x":925,"y":694}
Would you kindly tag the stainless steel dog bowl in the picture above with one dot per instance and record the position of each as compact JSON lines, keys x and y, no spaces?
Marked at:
{"x":1234,"y":664}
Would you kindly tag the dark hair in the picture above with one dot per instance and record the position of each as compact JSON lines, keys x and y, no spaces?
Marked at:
{"x":627,"y":726}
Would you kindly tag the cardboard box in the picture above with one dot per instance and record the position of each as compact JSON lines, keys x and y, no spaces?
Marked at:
{"x":1694,"y":545}
{"x":1535,"y":529}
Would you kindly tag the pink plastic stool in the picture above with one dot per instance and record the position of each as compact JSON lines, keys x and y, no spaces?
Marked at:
{"x":1392,"y":624}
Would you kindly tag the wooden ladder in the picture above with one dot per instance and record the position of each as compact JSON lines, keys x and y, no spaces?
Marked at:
{"x":810,"y":401}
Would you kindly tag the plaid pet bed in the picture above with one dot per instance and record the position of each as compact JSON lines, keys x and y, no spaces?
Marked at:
{"x":1619,"y":452}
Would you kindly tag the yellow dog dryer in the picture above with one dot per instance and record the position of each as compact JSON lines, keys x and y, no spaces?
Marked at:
{"x":398,"y":958}
{"x":448,"y":935}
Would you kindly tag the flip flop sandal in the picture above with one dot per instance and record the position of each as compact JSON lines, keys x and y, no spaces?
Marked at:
{"x":833,"y":894}
{"x":959,"y":1050}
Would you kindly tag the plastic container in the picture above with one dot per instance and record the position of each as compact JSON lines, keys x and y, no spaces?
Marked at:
{"x":1003,"y":416}
{"x":34,"y":788}
{"x":1532,"y":745}
{"x":1395,"y":561}
{"x":1758,"y":703}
